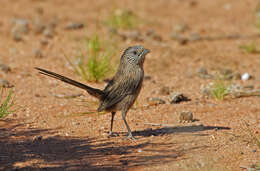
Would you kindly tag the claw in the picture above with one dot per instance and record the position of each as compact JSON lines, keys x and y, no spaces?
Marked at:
{"x":112,"y":134}
{"x":131,"y":137}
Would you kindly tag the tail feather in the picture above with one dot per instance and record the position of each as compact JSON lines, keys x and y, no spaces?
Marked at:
{"x":92,"y":91}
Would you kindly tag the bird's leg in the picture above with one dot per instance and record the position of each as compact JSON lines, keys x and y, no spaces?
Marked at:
{"x":130,"y":136}
{"x":111,"y":125}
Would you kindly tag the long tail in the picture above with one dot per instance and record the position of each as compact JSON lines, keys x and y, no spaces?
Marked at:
{"x":92,"y":91}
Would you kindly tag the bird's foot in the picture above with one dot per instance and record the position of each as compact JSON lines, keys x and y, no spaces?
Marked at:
{"x":112,"y":134}
{"x":131,"y":137}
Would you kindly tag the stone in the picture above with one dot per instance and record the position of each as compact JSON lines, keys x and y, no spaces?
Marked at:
{"x":5,"y":68}
{"x":177,"y":98}
{"x":48,"y":32}
{"x":4,"y":83}
{"x":37,"y":53}
{"x":74,"y":26}
{"x":185,"y":116}
{"x":153,"y":101}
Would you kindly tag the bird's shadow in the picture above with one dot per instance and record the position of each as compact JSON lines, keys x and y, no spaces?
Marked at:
{"x":20,"y":147}
{"x":176,"y":130}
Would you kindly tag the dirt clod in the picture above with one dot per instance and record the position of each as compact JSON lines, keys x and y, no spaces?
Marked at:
{"x":49,"y":32}
{"x":4,"y":83}
{"x":5,"y":68}
{"x":155,"y":101}
{"x":37,"y":53}
{"x":185,"y":116}
{"x":74,"y":26}
{"x":177,"y":98}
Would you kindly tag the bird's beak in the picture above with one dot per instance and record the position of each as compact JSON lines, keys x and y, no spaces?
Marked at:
{"x":146,"y":51}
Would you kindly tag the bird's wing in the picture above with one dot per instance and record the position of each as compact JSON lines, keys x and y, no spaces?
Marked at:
{"x":118,"y":90}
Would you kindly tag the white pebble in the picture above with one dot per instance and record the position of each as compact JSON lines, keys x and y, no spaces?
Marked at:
{"x":245,"y":76}
{"x":139,"y":150}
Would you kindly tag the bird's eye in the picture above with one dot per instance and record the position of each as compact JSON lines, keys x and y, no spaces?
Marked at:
{"x":134,"y":52}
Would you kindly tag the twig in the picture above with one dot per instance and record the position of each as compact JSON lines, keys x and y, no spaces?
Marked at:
{"x":67,"y":96}
{"x":237,"y":94}
{"x":158,"y":124}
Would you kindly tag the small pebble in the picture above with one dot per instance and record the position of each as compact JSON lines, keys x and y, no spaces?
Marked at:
{"x":193,"y":3}
{"x":37,"y":53}
{"x":39,"y":10}
{"x":185,"y":116}
{"x":246,"y":76}
{"x":14,"y":115}
{"x":248,"y":87}
{"x":21,"y":25}
{"x":75,"y":123}
{"x":16,"y":36}
{"x":38,"y":26}
{"x":48,"y":32}
{"x":37,"y":95}
{"x":203,"y":73}
{"x":5,"y":68}
{"x":177,"y":98}
{"x":139,"y":150}
{"x":74,"y":26}
{"x":206,"y":91}
{"x":228,"y":74}
{"x":155,"y":101}
{"x":37,"y":138}
{"x":5,"y":84}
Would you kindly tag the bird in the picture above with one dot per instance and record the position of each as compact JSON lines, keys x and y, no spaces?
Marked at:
{"x":121,"y":91}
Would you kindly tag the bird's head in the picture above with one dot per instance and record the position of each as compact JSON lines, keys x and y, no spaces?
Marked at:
{"x":134,"y":55}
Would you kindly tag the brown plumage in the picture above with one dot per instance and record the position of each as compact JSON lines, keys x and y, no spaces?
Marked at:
{"x":122,"y":91}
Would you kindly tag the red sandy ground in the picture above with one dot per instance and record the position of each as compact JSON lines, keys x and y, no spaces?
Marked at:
{"x":75,"y":141}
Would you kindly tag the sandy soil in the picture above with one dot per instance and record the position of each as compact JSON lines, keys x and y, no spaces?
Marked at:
{"x":50,"y":133}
